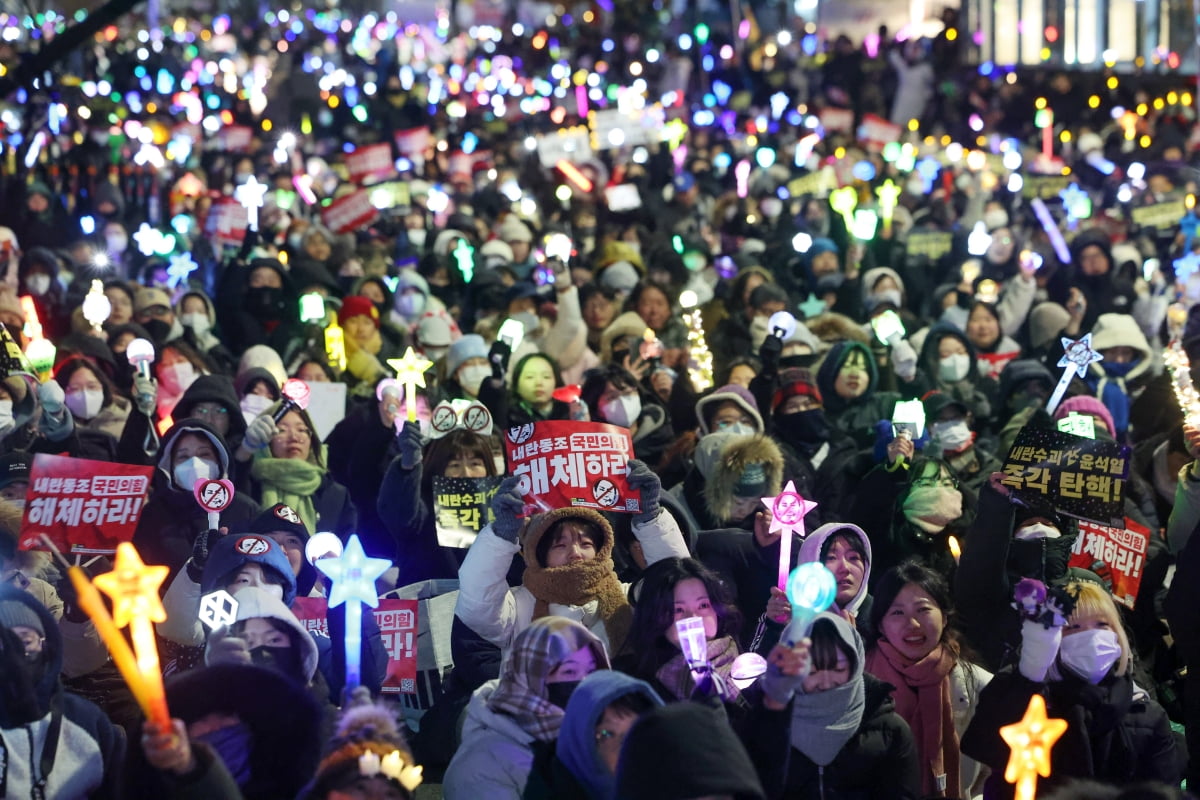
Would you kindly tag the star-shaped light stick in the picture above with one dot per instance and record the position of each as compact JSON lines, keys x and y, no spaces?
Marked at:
{"x":133,"y":587}
{"x":1078,"y":355}
{"x":353,"y":575}
{"x":182,"y":265}
{"x":410,"y":371}
{"x":147,"y":239}
{"x":788,"y":510}
{"x":1030,"y":741}
{"x":250,"y":196}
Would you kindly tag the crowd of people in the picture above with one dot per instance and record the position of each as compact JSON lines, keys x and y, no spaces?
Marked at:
{"x":759,"y":247}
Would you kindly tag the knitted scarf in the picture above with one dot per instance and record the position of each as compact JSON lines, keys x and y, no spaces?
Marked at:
{"x":676,"y":676}
{"x":291,"y":481}
{"x":578,"y":584}
{"x":922,"y":698}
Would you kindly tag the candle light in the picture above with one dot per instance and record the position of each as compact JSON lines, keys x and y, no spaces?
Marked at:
{"x":1030,"y":741}
{"x":410,"y":371}
{"x":353,"y":574}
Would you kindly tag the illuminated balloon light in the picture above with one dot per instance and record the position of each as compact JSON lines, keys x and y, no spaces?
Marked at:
{"x":140,"y":353}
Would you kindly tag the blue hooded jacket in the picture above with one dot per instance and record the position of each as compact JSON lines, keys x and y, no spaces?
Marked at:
{"x":576,"y":747}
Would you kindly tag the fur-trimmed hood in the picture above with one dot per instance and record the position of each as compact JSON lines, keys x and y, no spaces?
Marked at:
{"x":832,"y":327}
{"x":536,"y":527}
{"x":739,"y":453}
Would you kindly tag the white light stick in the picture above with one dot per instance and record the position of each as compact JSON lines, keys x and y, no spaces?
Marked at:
{"x":1078,"y":354}
{"x":250,"y":195}
{"x":692,"y":641}
{"x":218,"y":609}
{"x":1051,"y":228}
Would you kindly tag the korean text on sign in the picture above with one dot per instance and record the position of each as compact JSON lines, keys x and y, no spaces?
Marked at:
{"x":564,"y":463}
{"x":1081,"y":477}
{"x":1117,"y":555}
{"x":397,"y":621}
{"x":462,"y":506}
{"x":84,"y":506}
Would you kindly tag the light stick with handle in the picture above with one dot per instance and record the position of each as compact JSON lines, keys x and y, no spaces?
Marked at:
{"x":353,"y":574}
{"x":1030,"y":741}
{"x":295,"y":394}
{"x":811,"y":588}
{"x":214,"y":496}
{"x":1078,"y":354}
{"x":788,"y":510}
{"x":140,"y":353}
{"x":410,"y":371}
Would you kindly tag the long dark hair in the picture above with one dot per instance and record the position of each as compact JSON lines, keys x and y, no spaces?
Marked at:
{"x":930,"y":582}
{"x":654,"y":609}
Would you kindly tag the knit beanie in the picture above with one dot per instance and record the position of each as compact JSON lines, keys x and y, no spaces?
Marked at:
{"x":14,"y":613}
{"x":1046,"y":322}
{"x":734,"y":393}
{"x":357,"y":306}
{"x":469,"y":346}
{"x":1086,"y":404}
{"x":279,"y":517}
{"x":795,"y":382}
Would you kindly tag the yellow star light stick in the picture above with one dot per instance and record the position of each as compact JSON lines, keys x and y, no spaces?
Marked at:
{"x":410,"y":371}
{"x":133,"y":587}
{"x":1031,"y":740}
{"x":844,"y":201}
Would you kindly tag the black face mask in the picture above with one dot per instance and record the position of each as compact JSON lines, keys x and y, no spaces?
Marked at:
{"x":560,"y":693}
{"x":158,"y":329}
{"x":802,"y":361}
{"x":264,"y":302}
{"x":1044,"y":559}
{"x":804,"y":430}
{"x":281,"y":659}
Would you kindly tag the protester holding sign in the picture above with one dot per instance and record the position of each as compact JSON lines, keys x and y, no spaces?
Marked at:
{"x":568,"y":565}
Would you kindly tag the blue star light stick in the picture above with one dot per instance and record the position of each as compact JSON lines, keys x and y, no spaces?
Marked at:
{"x":353,"y":574}
{"x":1078,"y":355}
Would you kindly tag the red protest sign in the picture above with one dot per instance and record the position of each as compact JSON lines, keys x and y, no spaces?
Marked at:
{"x":227,"y":222}
{"x":875,"y":132}
{"x":1117,"y":555}
{"x":565,"y":463}
{"x":412,"y":142}
{"x":84,"y":506}
{"x":397,"y":620}
{"x":371,"y":162}
{"x":836,"y":119}
{"x":236,"y":138}
{"x":350,"y":212}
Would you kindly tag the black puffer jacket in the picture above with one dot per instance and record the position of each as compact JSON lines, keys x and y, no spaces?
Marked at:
{"x":1115,"y":732}
{"x":878,"y":763}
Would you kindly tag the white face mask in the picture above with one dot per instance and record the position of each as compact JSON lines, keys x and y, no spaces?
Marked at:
{"x":472,"y":377}
{"x":622,"y":411}
{"x":38,"y":284}
{"x":771,"y":207}
{"x":1090,"y":654}
{"x":953,"y":369}
{"x":177,"y":377}
{"x":7,"y":423}
{"x":197,"y":321}
{"x":192,"y":470}
{"x":116,"y":243}
{"x":254,"y":404}
{"x":888,"y":296}
{"x":737,"y":429}
{"x":85,"y":404}
{"x":1038,"y":530}
{"x":416,"y":237}
{"x":410,"y":304}
{"x":950,"y":435}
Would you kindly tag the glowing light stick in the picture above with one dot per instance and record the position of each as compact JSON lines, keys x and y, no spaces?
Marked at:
{"x":1179,"y":366}
{"x":140,"y":353}
{"x":1031,"y":740}
{"x":692,"y":641}
{"x":335,"y":345}
{"x":811,"y":589}
{"x":742,"y":174}
{"x":865,"y":223}
{"x":1051,"y":228}
{"x":812,"y":306}
{"x":250,"y":196}
{"x":353,"y":574}
{"x":464,"y":259}
{"x":788,"y":510}
{"x":312,"y":307}
{"x":888,"y":195}
{"x":295,"y":394}
{"x":97,"y":308}
{"x":573,"y":174}
{"x":41,"y":353}
{"x":1078,"y":354}
{"x":978,"y":240}
{"x":182,"y":265}
{"x":410,"y":371}
{"x":133,"y":587}
{"x":322,"y":545}
{"x":218,"y":609}
{"x":782,"y":324}
{"x":844,"y":201}
{"x":33,"y":325}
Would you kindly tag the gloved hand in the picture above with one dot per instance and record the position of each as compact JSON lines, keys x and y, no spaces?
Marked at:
{"x":904,"y":360}
{"x":411,"y":445}
{"x":642,"y":478}
{"x":498,"y":357}
{"x":507,"y":505}
{"x":1039,"y":648}
{"x":365,"y":366}
{"x":145,"y":394}
{"x":226,"y":648}
{"x":260,"y":432}
{"x":787,"y":667}
{"x":768,"y":354}
{"x":200,"y":548}
{"x":56,"y":423}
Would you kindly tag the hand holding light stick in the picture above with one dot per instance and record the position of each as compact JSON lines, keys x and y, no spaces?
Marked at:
{"x":410,"y":371}
{"x":353,"y":574}
{"x":788,"y":510}
{"x":140,"y":353}
{"x":295,"y":394}
{"x":811,"y":589}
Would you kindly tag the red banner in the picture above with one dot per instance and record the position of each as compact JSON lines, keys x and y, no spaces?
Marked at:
{"x":565,"y":463}
{"x":84,"y":506}
{"x":350,"y":212}
{"x":235,"y":137}
{"x":413,"y":141}
{"x":397,"y":620}
{"x":1117,"y":555}
{"x":371,"y":162}
{"x":228,"y":221}
{"x":875,"y":132}
{"x":836,"y":119}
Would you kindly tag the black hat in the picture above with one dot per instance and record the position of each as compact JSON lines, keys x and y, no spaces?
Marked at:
{"x":279,"y":517}
{"x":14,"y":467}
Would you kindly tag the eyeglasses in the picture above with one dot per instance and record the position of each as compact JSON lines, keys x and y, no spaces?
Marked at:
{"x":294,"y":433}
{"x":950,"y":482}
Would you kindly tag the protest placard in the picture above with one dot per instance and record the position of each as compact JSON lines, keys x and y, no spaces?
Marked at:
{"x":566,"y":144}
{"x":875,"y":132}
{"x":817,"y":184}
{"x":1046,"y":187}
{"x":326,"y":405}
{"x":373,"y":162}
{"x":397,"y":620}
{"x":412,"y":142}
{"x":836,"y":119}
{"x":84,"y":506}
{"x":1083,"y":478}
{"x":235,"y":138}
{"x":564,"y":463}
{"x":350,"y":212}
{"x":227,"y":222}
{"x":462,"y":507}
{"x":615,"y":127}
{"x":930,"y":245}
{"x":1116,"y":554}
{"x":1159,"y":215}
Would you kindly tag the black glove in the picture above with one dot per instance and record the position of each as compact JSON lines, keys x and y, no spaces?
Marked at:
{"x":768,"y":354}
{"x":498,"y":356}
{"x":411,"y":445}
{"x":200,"y":548}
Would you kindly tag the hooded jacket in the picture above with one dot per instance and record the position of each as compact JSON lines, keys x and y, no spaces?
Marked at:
{"x":738,"y":454}
{"x":88,"y":749}
{"x":810,"y":552}
{"x":256,"y":603}
{"x":274,"y":322}
{"x":1118,"y":385}
{"x":856,"y":416}
{"x":173,"y":519}
{"x":206,"y":342}
{"x":215,"y":389}
{"x":967,"y":390}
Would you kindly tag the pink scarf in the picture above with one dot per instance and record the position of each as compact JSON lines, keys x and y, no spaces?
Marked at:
{"x":922,"y":698}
